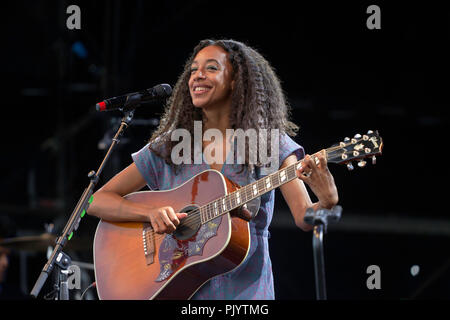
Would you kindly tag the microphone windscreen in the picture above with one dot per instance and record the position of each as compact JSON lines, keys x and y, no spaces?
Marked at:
{"x":101,"y":106}
{"x":163,"y":90}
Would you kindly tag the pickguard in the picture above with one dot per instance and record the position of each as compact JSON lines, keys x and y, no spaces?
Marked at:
{"x":173,"y":253}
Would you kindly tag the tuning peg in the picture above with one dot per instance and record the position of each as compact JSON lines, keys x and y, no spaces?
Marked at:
{"x":374,"y":160}
{"x":350,"y":166}
{"x":357,"y":136}
{"x":346,"y":139}
{"x":369,"y":132}
{"x":362,"y":163}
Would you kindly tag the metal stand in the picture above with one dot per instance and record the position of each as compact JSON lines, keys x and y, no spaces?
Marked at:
{"x":60,"y":287}
{"x":58,"y":257}
{"x":319,"y":220}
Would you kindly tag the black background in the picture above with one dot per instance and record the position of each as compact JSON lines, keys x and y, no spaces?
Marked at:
{"x":340,"y":78}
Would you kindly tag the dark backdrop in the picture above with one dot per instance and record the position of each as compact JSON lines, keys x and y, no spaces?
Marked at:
{"x":339,"y":77}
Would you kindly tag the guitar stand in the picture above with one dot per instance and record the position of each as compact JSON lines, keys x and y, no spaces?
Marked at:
{"x":320,"y":219}
{"x":58,"y":258}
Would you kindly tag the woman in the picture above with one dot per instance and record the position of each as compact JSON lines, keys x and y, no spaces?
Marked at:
{"x":225,"y":85}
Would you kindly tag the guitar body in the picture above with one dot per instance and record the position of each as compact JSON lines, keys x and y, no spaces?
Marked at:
{"x":134,"y":263}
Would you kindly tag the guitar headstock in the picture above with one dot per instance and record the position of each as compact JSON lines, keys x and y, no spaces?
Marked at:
{"x":357,"y":148}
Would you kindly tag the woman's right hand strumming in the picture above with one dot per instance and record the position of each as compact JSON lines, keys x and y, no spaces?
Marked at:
{"x":165,"y":219}
{"x":109,"y":203}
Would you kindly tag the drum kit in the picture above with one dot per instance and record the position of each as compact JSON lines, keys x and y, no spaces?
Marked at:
{"x":43,"y":244}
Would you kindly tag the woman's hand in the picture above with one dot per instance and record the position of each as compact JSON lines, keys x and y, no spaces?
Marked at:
{"x":165,"y":219}
{"x":314,"y":172}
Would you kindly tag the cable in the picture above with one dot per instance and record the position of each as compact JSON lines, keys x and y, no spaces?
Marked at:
{"x":93,"y":284}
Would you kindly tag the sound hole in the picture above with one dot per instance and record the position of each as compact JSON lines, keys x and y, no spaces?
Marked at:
{"x":188,"y":226}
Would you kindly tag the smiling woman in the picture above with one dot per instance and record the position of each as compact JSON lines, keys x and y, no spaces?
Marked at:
{"x":225,"y":85}
{"x":211,"y":81}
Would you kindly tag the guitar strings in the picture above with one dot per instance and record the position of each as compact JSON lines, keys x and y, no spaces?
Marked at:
{"x":194,"y":216}
{"x":248,"y":192}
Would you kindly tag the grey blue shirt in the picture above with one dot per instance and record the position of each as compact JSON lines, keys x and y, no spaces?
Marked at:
{"x":253,"y":279}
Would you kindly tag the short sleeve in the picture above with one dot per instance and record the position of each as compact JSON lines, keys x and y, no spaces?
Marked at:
{"x":146,"y":161}
{"x":288,"y":146}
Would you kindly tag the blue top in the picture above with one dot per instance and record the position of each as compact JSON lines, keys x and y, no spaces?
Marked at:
{"x":253,"y":279}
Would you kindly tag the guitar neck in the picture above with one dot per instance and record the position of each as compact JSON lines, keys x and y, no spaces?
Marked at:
{"x":249,"y":192}
{"x":357,"y":148}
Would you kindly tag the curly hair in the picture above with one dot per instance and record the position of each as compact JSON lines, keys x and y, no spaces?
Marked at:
{"x":258,"y":101}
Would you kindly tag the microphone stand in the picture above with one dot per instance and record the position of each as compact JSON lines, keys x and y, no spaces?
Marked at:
{"x":58,"y":258}
{"x":319,"y":220}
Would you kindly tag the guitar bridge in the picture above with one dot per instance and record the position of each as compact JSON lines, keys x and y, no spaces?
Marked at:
{"x":148,"y":239}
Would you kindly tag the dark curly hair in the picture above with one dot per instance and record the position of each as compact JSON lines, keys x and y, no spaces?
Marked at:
{"x":258,"y":101}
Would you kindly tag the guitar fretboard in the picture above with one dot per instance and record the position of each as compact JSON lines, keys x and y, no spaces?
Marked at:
{"x":247,"y":193}
{"x":359,"y":147}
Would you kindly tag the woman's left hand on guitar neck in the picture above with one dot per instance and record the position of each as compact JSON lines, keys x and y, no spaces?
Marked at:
{"x":314,"y":172}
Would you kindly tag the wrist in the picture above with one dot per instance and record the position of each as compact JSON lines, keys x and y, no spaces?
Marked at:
{"x":328,"y":203}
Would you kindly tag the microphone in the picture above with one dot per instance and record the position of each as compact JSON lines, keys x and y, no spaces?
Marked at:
{"x":132,"y":100}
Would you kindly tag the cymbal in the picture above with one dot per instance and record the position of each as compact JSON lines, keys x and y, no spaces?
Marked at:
{"x":41,"y":243}
{"x":29,"y":243}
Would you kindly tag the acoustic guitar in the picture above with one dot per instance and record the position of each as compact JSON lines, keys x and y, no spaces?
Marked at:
{"x":132,"y":262}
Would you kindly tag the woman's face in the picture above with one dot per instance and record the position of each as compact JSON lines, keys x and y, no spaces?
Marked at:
{"x":210,"y":83}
